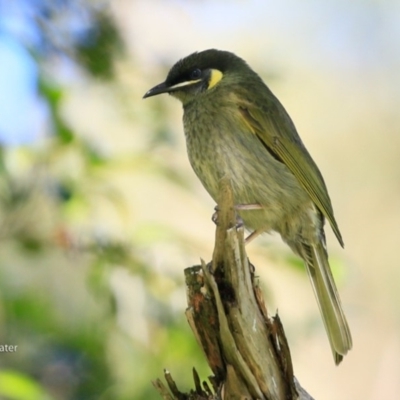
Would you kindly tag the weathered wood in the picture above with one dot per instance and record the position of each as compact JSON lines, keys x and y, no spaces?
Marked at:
{"x":246,"y":349}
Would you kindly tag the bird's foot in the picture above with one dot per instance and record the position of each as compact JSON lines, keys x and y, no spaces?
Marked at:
{"x":214,"y":218}
{"x":239,"y":221}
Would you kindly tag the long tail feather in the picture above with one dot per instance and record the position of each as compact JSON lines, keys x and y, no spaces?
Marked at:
{"x":328,"y":299}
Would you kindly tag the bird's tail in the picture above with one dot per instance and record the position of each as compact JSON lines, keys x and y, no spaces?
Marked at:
{"x":327,"y":296}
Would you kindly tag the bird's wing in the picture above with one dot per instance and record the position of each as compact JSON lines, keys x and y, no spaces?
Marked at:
{"x":276,"y":131}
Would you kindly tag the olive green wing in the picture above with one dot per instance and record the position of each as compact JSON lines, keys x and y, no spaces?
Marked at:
{"x":276,"y":131}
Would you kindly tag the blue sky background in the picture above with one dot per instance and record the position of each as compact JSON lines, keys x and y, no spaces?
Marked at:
{"x":22,"y":112}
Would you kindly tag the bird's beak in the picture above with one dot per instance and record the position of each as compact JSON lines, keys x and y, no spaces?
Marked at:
{"x":164,"y":88}
{"x":161,"y":88}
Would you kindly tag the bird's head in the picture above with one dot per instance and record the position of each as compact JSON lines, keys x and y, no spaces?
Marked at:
{"x":199,"y":73}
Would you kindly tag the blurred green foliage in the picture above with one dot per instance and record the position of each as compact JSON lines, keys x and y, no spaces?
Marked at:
{"x":20,"y":387}
{"x":57,"y":302}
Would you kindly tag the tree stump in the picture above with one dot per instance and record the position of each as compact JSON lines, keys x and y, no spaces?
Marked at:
{"x":246,"y":349}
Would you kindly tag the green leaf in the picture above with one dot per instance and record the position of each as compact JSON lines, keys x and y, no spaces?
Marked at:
{"x":17,"y":386}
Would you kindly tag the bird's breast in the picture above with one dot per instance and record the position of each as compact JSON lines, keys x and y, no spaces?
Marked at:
{"x":219,"y":145}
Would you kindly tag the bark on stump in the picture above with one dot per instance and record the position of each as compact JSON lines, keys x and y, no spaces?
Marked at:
{"x":246,"y":349}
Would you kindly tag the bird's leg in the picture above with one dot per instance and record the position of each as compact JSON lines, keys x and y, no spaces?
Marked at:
{"x":239,"y":221}
{"x":244,"y":207}
{"x":238,"y":207}
{"x":252,"y":236}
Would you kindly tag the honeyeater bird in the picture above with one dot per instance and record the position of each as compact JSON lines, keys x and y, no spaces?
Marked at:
{"x":236,"y":128}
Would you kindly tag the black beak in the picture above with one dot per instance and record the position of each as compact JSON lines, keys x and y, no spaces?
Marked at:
{"x":161,"y":88}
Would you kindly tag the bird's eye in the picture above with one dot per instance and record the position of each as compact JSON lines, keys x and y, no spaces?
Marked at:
{"x":195,"y":74}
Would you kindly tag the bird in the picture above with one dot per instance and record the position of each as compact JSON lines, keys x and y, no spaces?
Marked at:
{"x":235,"y":127}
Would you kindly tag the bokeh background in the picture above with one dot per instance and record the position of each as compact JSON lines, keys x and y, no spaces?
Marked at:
{"x":100,"y":211}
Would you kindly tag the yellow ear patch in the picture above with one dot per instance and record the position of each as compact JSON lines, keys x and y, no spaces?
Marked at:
{"x":215,"y":76}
